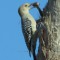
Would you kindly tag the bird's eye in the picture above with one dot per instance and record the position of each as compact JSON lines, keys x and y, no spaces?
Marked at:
{"x":25,"y":5}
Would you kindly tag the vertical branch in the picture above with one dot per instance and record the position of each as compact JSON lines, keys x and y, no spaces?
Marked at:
{"x":53,"y":24}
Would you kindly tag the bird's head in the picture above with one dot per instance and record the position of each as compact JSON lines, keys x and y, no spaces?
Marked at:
{"x":26,"y":7}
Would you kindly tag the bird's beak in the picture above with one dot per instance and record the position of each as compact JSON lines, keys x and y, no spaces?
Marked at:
{"x":31,"y":6}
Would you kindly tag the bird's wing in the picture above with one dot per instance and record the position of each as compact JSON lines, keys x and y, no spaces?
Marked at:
{"x":27,"y":31}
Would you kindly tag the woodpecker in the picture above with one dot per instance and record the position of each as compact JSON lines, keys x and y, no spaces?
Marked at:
{"x":28,"y":27}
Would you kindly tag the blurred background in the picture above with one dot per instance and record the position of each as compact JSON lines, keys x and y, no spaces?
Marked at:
{"x":12,"y":44}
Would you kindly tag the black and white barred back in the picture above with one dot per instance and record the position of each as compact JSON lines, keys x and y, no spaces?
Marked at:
{"x":27,"y":29}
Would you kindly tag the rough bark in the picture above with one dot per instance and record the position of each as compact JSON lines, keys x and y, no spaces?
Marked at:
{"x":53,"y":24}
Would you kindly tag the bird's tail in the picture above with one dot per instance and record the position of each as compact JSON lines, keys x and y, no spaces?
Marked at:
{"x":30,"y":48}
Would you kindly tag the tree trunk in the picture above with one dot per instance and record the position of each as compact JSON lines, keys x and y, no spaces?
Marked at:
{"x":53,"y":24}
